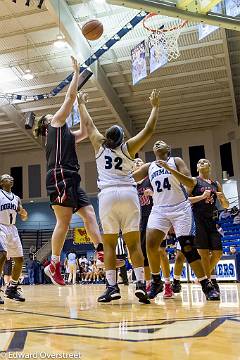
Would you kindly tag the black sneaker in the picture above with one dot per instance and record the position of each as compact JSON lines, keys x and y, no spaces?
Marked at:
{"x":111,"y":293}
{"x":155,"y":289}
{"x":215,"y":285}
{"x":176,"y":286}
{"x":141,"y":293}
{"x":210,"y":292}
{"x":14,"y":292}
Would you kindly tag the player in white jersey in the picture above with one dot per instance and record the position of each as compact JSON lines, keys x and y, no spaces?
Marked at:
{"x":119,"y":206}
{"x":171,"y":207}
{"x":10,"y":206}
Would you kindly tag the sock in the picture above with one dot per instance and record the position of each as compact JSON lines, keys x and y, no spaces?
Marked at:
{"x":213,"y":277}
{"x":167,"y":280}
{"x":202,"y":278}
{"x":55,"y":259}
{"x":156,"y":277}
{"x":177,"y":277}
{"x":13,"y":283}
{"x":111,"y":277}
{"x":139,"y":273}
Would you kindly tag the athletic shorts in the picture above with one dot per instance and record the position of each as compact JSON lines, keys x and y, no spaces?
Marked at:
{"x":119,"y":209}
{"x":207,"y":236}
{"x":143,"y":228}
{"x":63,"y":188}
{"x":10,"y":241}
{"x":179,"y":216}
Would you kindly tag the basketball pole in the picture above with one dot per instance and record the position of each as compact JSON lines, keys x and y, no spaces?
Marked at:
{"x":170,"y":9}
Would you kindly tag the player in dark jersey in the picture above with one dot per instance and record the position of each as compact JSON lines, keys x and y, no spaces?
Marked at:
{"x":203,"y":197}
{"x":63,"y":179}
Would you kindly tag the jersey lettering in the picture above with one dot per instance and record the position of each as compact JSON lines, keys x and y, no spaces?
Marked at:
{"x":109,"y":163}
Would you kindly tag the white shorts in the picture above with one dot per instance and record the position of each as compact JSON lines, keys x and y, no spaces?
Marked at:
{"x":10,"y":241}
{"x":119,"y":209}
{"x":179,"y":216}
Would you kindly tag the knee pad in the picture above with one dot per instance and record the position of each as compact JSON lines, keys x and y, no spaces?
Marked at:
{"x":187,"y":248}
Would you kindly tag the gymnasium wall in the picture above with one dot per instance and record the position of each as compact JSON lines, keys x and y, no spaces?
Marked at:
{"x":211,"y":139}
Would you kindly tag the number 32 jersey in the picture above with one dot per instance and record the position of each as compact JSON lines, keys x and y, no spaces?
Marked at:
{"x":8,"y":208}
{"x":114,"y":167}
{"x":168,"y":191}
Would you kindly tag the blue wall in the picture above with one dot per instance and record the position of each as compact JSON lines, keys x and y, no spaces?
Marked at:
{"x":41,"y":216}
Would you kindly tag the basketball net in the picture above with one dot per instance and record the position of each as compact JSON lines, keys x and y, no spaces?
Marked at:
{"x":165,"y":33}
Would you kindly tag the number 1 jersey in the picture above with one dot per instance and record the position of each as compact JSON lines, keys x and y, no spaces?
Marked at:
{"x":8,"y":208}
{"x":168,"y":191}
{"x":115,"y":167}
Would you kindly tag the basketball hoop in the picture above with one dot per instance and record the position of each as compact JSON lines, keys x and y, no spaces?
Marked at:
{"x":165,"y":32}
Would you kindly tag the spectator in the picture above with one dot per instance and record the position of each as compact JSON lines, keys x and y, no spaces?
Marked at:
{"x":220,"y":230}
{"x":83,"y":259}
{"x":224,"y":215}
{"x":232,"y":250}
{"x":30,"y":269}
{"x":236,"y":219}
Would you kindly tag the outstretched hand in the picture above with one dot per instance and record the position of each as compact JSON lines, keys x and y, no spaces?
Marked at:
{"x":75,"y":64}
{"x":82,"y":97}
{"x":155,"y":98}
{"x":163,"y":164}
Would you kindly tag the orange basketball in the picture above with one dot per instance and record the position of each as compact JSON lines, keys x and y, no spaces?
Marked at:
{"x":92,"y":30}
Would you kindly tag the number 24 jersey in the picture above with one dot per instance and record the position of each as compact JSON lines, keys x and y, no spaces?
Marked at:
{"x":167,"y":190}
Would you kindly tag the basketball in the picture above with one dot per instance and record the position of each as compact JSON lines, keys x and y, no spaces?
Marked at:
{"x":92,"y":30}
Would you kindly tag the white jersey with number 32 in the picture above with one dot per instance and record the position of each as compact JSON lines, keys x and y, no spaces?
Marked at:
{"x":114,"y":167}
{"x":168,"y":191}
{"x":8,"y":208}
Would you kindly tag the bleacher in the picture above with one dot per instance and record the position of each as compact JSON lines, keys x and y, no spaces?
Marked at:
{"x":231,"y":234}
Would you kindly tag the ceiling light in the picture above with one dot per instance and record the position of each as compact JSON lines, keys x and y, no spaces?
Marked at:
{"x":60,"y":42}
{"x":28,"y":75}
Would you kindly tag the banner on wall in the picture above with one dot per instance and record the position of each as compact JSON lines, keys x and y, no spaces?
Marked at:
{"x":226,"y":271}
{"x":139,"y":64}
{"x":80,"y":236}
{"x":157,"y":53}
{"x":74,"y":117}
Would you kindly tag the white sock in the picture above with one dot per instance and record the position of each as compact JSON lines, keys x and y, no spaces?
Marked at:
{"x":111,"y":277}
{"x":55,"y":259}
{"x":202,"y":278}
{"x":213,"y":277}
{"x":177,"y":277}
{"x":139,"y":272}
{"x":167,"y":280}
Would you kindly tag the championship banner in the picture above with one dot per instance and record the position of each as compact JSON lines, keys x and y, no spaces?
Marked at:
{"x":80,"y":236}
{"x":74,"y":117}
{"x":206,"y":29}
{"x":139,"y":64}
{"x":158,"y":55}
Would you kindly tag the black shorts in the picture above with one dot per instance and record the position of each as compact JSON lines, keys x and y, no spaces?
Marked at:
{"x":63,"y":188}
{"x":207,"y":236}
{"x":143,"y":228}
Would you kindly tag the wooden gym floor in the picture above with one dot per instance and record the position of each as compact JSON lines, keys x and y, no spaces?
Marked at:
{"x":69,"y":322}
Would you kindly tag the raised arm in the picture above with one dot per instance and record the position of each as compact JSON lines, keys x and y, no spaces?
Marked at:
{"x":182,"y":174}
{"x":221,"y":197}
{"x":82,"y":133}
{"x":95,"y":136}
{"x":21,"y":211}
{"x":141,"y":172}
{"x":61,"y":115}
{"x":137,"y":142}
